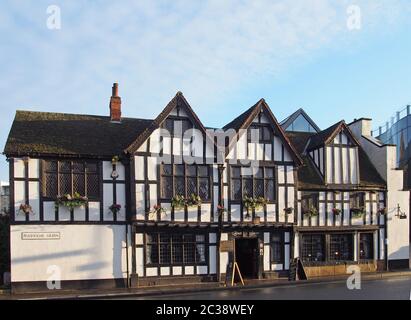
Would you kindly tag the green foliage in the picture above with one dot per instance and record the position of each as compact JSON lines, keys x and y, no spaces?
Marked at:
{"x":71,"y":202}
{"x":254,"y":203}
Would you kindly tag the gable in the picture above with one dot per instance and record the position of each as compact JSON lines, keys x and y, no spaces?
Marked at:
{"x":299,"y":121}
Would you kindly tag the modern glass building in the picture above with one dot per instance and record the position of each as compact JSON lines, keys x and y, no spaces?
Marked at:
{"x":398,"y":131}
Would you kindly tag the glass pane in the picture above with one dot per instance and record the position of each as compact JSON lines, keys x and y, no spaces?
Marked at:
{"x":269,"y":190}
{"x":167,"y":169}
{"x":235,"y":172}
{"x":269,"y":172}
{"x":65,"y":184}
{"x":64,"y":166}
{"x":200,"y":253}
{"x":203,"y":171}
{"x":165,"y":253}
{"x":248,"y":187}
{"x":78,"y":167}
{"x":266,"y":134}
{"x":259,"y":188}
{"x":93,"y":186}
{"x":259,"y":172}
{"x":50,"y":166}
{"x":204,"y":188}
{"x":92,"y":167}
{"x":152,"y":254}
{"x":191,"y":170}
{"x":179,"y":170}
{"x":78,"y":184}
{"x":164,"y":238}
{"x":191,"y":186}
{"x":200,"y":238}
{"x":51,"y":185}
{"x":166,"y":187}
{"x":188,"y":238}
{"x":179,"y":187}
{"x":236,"y":189}
{"x":177,"y":252}
{"x":189,"y":253}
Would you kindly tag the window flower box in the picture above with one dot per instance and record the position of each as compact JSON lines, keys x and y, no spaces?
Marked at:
{"x":382,"y":211}
{"x":71,"y":202}
{"x":357,"y":212}
{"x":193,"y":201}
{"x":157,"y":209}
{"x":311,"y":212}
{"x":254,"y":203}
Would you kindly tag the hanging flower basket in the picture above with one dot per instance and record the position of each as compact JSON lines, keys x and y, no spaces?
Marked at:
{"x":336,"y":211}
{"x":289,"y":210}
{"x":382,"y":211}
{"x":311,"y":212}
{"x":157,"y":209}
{"x":115,"y":208}
{"x":71,"y":202}
{"x":357,"y":212}
{"x":25,"y":209}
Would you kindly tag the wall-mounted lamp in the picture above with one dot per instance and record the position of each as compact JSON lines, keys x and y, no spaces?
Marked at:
{"x":400,"y":214}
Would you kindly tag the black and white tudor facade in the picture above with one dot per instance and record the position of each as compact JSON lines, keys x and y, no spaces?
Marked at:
{"x":171,"y":201}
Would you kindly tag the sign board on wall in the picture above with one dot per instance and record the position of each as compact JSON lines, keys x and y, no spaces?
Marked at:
{"x":40,"y":236}
{"x":227,"y":246}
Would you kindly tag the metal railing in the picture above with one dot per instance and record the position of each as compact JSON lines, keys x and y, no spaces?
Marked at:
{"x":394,"y":119}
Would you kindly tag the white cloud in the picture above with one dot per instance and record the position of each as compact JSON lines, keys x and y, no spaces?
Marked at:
{"x":207,"y":49}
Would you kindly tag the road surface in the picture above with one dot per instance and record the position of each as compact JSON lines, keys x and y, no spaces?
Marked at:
{"x":383,"y":289}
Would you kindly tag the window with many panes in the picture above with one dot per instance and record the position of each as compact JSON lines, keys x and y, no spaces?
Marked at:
{"x":312,"y":247}
{"x":366,"y":246}
{"x":185,"y":180}
{"x":276,"y":247}
{"x":309,"y":200}
{"x":259,"y":134}
{"x":177,"y":126}
{"x":176,"y":249}
{"x":357,"y":200}
{"x":70,"y":177}
{"x":341,"y":247}
{"x":255,"y":182}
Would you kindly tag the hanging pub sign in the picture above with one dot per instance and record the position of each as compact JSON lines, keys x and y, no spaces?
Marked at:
{"x":227,"y":246}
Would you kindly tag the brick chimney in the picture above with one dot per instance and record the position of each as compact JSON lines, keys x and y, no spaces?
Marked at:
{"x":115,"y":105}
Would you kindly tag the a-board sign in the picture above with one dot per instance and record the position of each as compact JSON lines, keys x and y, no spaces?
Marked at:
{"x":227,"y":246}
{"x":229,"y":273}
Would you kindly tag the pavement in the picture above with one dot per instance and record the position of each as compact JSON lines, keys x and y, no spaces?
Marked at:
{"x":159,"y":292}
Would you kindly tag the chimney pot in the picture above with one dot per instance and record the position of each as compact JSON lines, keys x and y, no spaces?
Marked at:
{"x":115,"y":90}
{"x":115,"y":105}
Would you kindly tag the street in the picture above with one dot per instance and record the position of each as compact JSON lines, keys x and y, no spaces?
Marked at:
{"x":385,"y":289}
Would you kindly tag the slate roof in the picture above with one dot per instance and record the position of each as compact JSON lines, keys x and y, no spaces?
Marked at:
{"x":34,"y":133}
{"x":310,"y":178}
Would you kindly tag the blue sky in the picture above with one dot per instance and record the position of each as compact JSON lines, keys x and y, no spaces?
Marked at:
{"x":223,"y":55}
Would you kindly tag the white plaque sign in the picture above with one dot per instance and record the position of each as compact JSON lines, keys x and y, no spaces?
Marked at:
{"x":40,"y":236}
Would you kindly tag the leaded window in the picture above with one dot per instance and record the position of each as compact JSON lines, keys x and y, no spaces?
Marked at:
{"x":366,"y":246}
{"x":309,"y":201}
{"x":341,"y":247}
{"x":256,"y":182}
{"x":276,"y":247}
{"x":185,"y":180}
{"x":357,"y":200}
{"x":177,"y":126}
{"x":259,"y":134}
{"x":70,"y":177}
{"x":312,"y":247}
{"x":176,"y":249}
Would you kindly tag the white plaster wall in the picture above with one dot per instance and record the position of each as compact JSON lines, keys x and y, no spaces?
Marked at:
{"x":384,"y":159}
{"x":82,"y":252}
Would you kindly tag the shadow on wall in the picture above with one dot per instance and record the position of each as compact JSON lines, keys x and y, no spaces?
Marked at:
{"x":4,"y":245}
{"x":400,"y":264}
